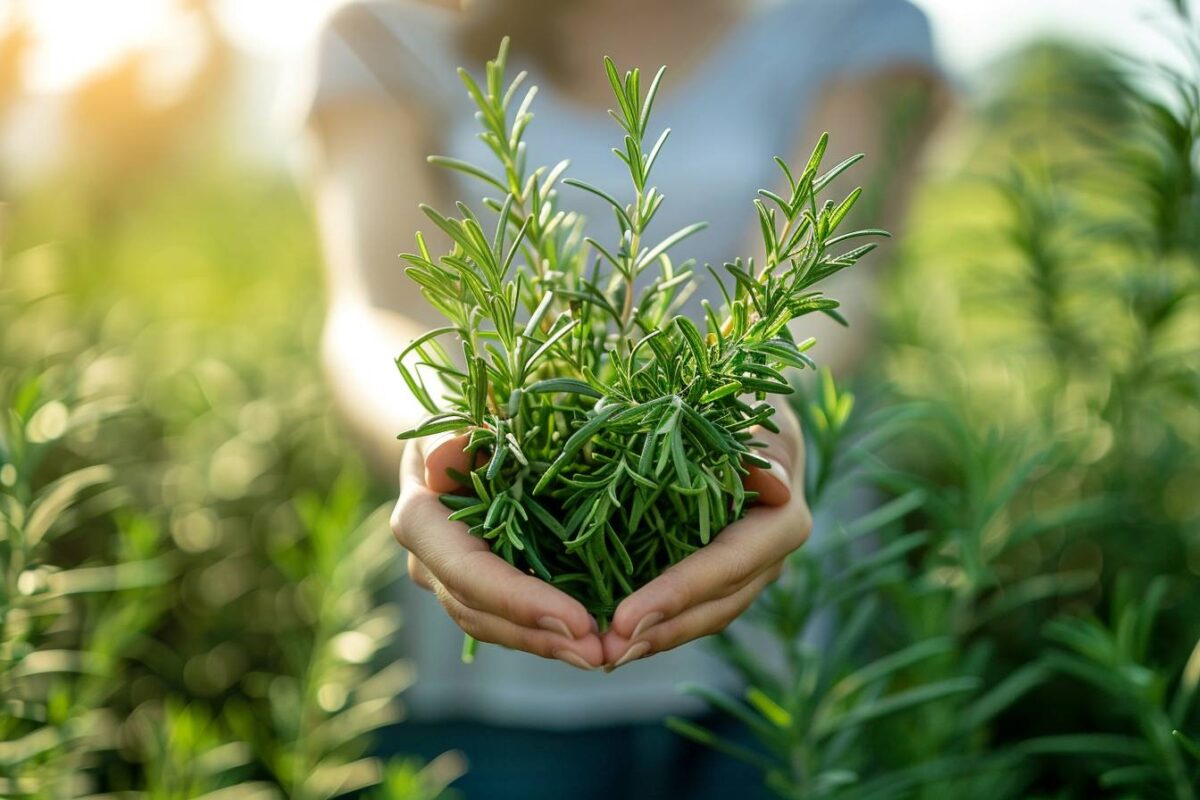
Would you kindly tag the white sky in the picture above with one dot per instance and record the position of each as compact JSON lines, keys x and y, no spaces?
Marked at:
{"x":76,"y":36}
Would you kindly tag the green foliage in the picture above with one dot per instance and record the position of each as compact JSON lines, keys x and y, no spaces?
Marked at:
{"x":616,"y":430}
{"x":66,"y":630}
{"x":1015,"y":618}
{"x":816,"y":706}
{"x":191,"y":594}
{"x":1043,"y":350}
{"x":1113,"y":660}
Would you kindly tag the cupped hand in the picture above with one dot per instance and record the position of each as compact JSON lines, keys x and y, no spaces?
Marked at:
{"x":485,"y":595}
{"x":707,"y":590}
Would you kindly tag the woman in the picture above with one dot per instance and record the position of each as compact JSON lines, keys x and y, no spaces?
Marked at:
{"x":746,"y":81}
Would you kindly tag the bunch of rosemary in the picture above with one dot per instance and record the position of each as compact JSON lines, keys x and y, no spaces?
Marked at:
{"x":616,"y":432}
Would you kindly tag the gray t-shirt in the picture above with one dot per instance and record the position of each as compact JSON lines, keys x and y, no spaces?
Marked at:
{"x":747,"y":102}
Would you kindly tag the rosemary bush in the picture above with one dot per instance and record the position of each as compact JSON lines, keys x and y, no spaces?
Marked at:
{"x":616,"y":430}
{"x":189,"y":569}
{"x":896,"y":702}
{"x":67,"y":630}
{"x":179,"y":549}
{"x":1026,"y":623}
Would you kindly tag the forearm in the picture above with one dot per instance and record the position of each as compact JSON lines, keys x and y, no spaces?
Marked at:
{"x":369,"y":172}
{"x":358,"y":350}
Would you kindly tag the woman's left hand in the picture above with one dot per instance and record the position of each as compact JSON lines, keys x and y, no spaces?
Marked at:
{"x":706,"y":591}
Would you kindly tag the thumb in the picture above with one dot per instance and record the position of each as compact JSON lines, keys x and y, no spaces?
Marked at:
{"x":773,"y":485}
{"x":444,"y":455}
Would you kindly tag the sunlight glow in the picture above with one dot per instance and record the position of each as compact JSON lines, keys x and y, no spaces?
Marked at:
{"x":76,"y":37}
{"x":971,"y":34}
{"x":272,"y":28}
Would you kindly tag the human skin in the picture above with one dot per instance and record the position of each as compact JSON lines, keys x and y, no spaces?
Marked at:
{"x":369,"y":173}
{"x":700,"y":595}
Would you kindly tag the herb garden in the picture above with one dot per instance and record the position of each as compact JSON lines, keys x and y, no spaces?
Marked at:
{"x":195,"y":569}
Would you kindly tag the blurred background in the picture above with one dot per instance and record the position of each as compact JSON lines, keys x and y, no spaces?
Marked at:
{"x":195,"y":561}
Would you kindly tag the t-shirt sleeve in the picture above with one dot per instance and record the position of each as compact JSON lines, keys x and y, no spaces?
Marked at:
{"x":369,"y":51}
{"x":824,"y":41}
{"x":876,"y":34}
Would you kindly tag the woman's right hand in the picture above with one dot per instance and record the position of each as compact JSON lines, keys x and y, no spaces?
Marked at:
{"x":485,"y":595}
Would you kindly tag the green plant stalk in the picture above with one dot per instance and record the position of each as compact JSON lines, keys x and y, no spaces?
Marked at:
{"x":616,"y":431}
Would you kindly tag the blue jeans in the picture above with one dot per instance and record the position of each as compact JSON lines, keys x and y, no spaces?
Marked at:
{"x":626,"y":762}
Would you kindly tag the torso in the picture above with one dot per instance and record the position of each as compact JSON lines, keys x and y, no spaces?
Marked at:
{"x":711,"y":166}
{"x":741,"y":101}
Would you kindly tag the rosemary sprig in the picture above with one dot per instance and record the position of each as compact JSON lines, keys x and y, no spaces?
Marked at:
{"x":617,"y":431}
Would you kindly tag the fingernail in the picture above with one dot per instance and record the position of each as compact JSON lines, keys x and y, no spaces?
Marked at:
{"x":595,"y":625}
{"x":555,"y":625}
{"x":439,"y":439}
{"x":653,"y":618}
{"x":574,"y":659}
{"x":635,"y":651}
{"x":778,"y":471}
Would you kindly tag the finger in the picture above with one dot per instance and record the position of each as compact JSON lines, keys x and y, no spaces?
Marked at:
{"x":772,"y":485}
{"x":785,"y":452}
{"x":585,"y":653}
{"x":443,"y":455}
{"x":418,"y":574}
{"x":742,"y":550}
{"x":478,"y":578}
{"x":701,"y":620}
{"x":784,"y":419}
{"x":434,"y":461}
{"x":465,"y":565}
